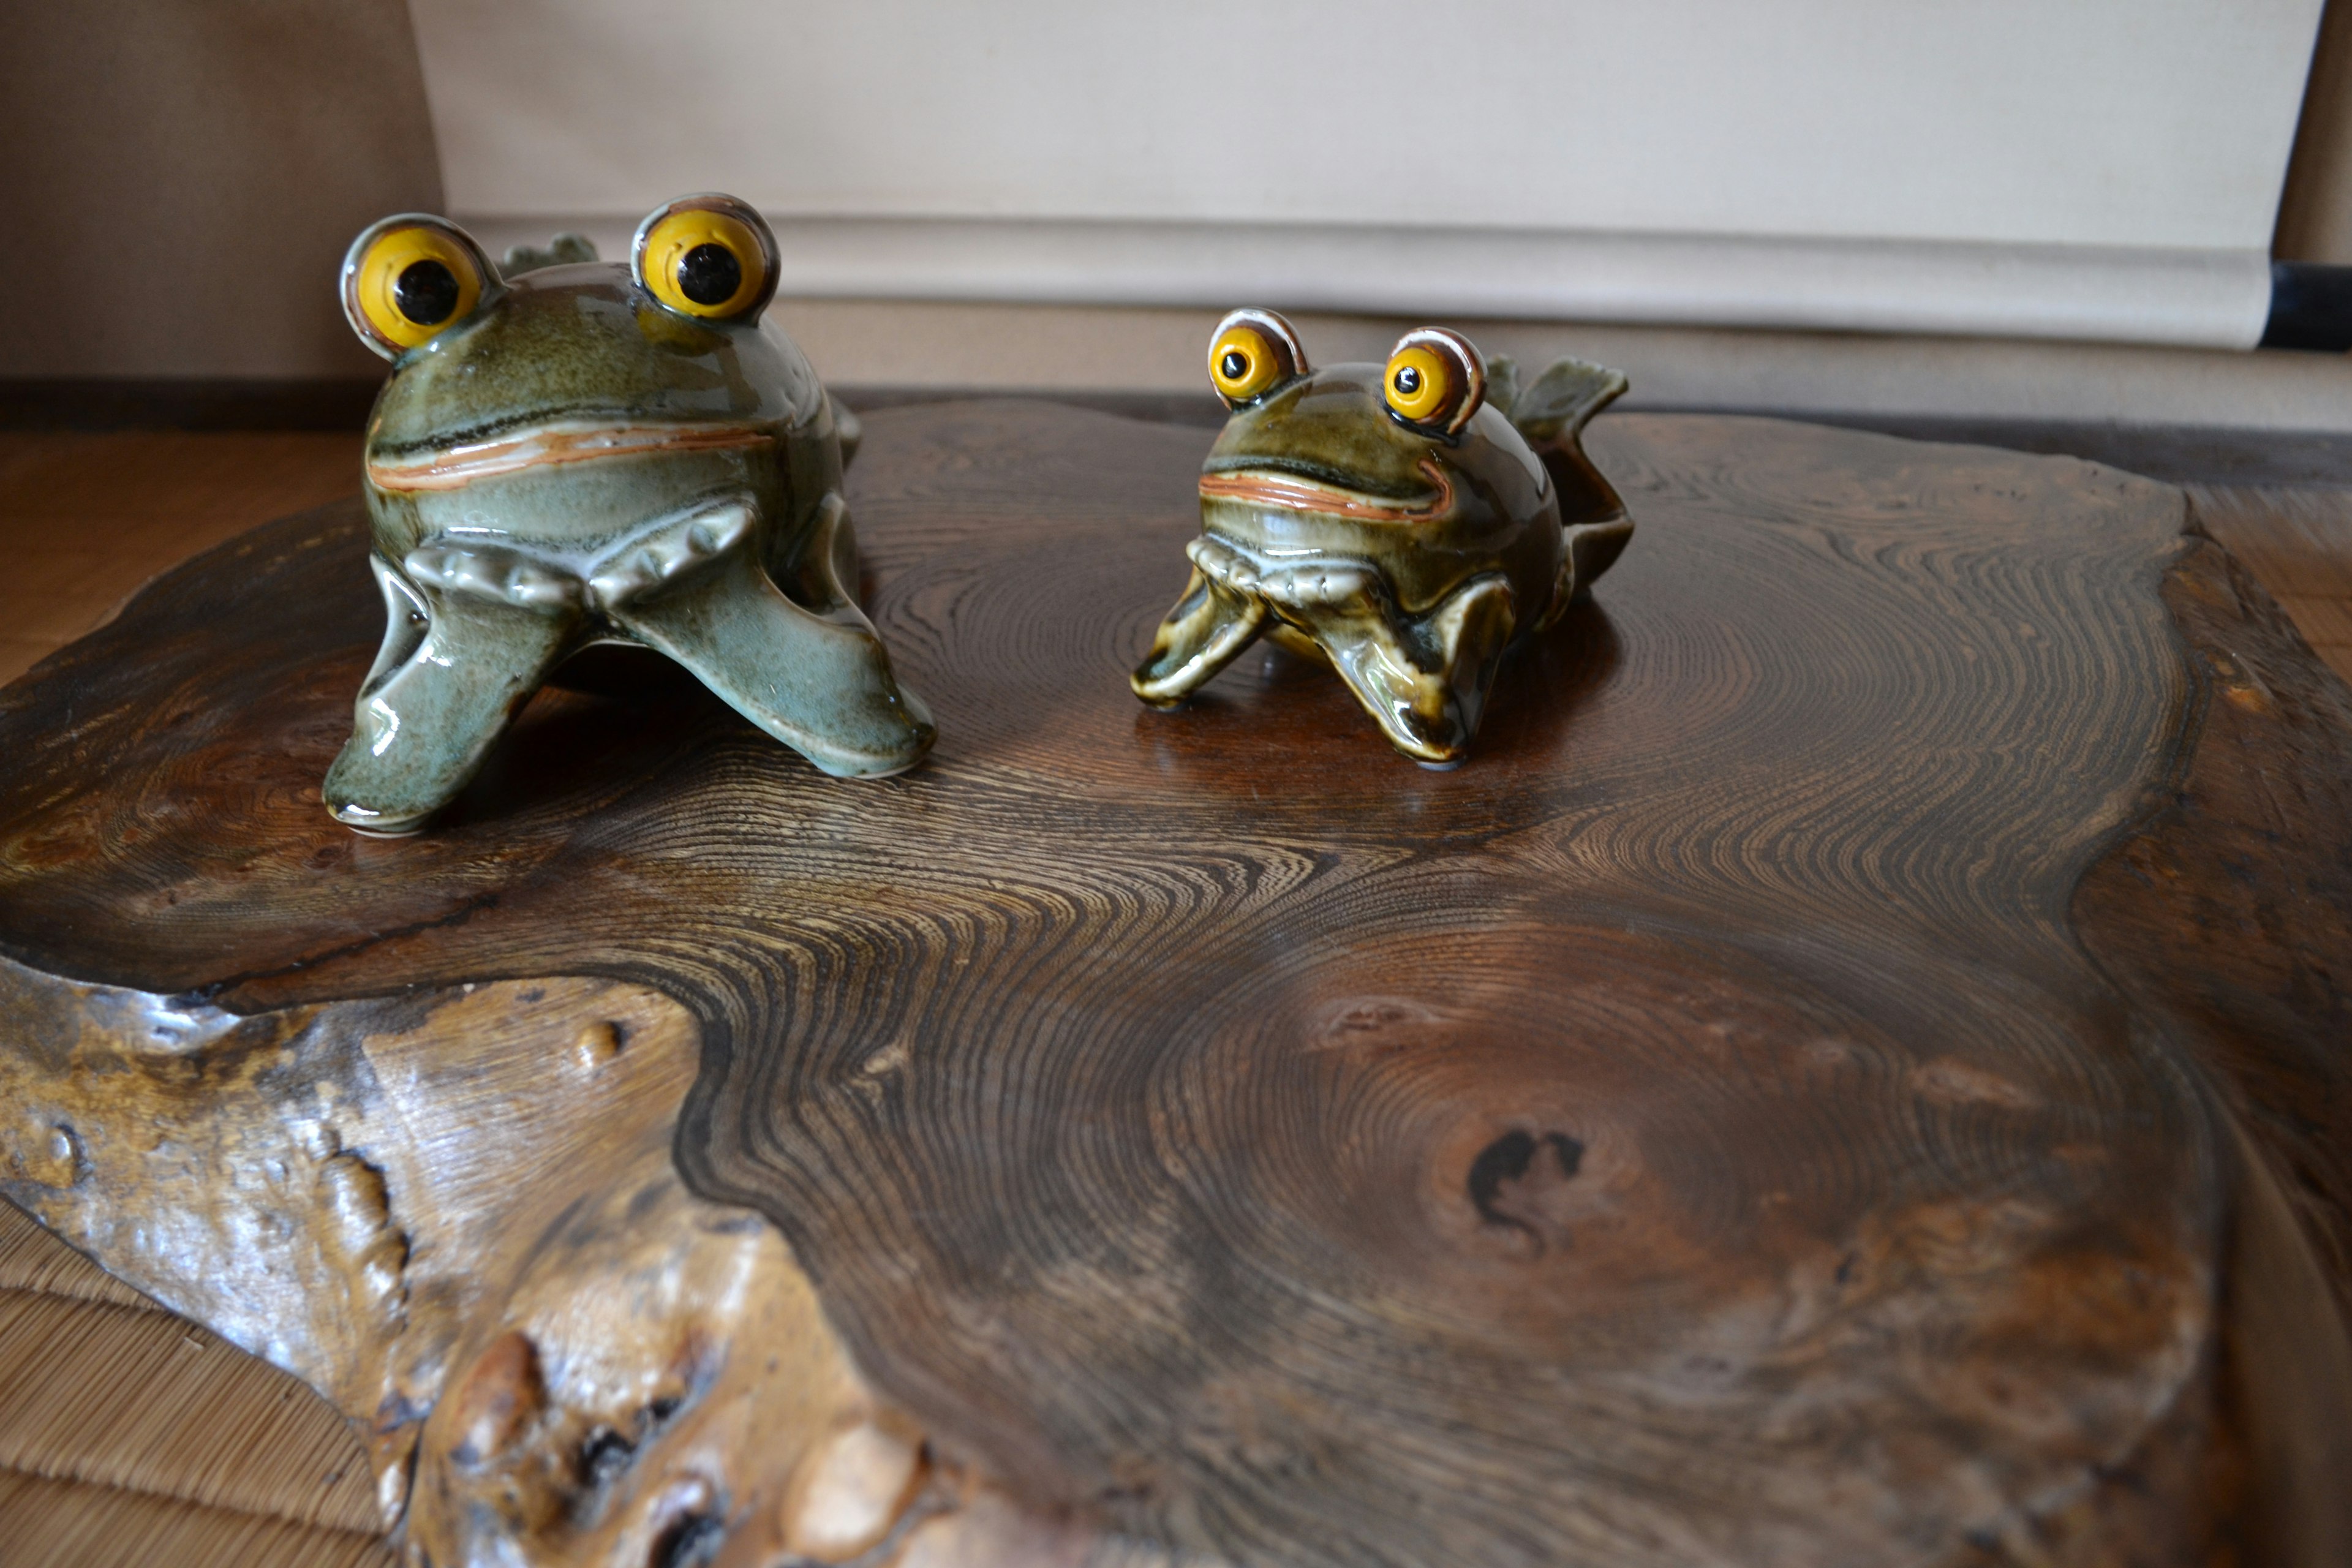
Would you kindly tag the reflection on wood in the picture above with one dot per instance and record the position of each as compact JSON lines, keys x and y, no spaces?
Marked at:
{"x":1719,"y":1124}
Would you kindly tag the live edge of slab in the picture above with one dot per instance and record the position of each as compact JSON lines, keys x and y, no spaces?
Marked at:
{"x":1854,"y":1071}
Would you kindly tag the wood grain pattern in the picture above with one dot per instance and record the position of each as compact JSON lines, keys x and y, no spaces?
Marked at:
{"x":1694,"y":1132}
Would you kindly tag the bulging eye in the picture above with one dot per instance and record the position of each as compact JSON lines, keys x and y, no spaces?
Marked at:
{"x":1435,"y":378}
{"x":410,"y":277}
{"x":1252,"y":352}
{"x":706,"y":255}
{"x":1243,"y":364}
{"x":1419,"y":383}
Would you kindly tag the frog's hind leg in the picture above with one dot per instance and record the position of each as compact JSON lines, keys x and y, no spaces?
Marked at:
{"x":456,"y":666}
{"x":1208,"y":627}
{"x":847,"y":428}
{"x":1425,"y":678}
{"x":1591,"y":549}
{"x":1551,"y":413}
{"x":819,"y":681}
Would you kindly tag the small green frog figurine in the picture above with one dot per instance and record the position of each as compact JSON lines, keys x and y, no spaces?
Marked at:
{"x":574,"y":452}
{"x":1408,"y":522}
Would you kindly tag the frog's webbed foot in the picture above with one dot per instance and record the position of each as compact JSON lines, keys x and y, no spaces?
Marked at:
{"x":1423,"y":678}
{"x":1209,"y":626}
{"x":1551,"y":414}
{"x":468,"y":638}
{"x":816,"y":679}
{"x":473,"y":629}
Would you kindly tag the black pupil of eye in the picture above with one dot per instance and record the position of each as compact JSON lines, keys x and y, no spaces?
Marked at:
{"x":427,"y":292}
{"x":709,"y":274}
{"x":1235,"y":364}
{"x":1408,"y":380}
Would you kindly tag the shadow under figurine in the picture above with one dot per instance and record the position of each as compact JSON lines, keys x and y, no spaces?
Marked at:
{"x":1393,"y":520}
{"x":578,"y":452}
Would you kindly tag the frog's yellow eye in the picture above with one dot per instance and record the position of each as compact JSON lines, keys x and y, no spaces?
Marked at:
{"x":410,"y":277}
{"x":1435,"y":380}
{"x":1252,"y":352}
{"x":707,"y":256}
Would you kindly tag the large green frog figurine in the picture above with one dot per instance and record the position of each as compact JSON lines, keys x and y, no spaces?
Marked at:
{"x":576,"y":452}
{"x":1409,"y":522}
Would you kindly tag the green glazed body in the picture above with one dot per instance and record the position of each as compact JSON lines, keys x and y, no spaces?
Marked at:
{"x":1410,"y":560}
{"x":573,"y":465}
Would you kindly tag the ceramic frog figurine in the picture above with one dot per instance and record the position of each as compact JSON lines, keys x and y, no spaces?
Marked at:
{"x":1408,"y":522}
{"x":575,"y":452}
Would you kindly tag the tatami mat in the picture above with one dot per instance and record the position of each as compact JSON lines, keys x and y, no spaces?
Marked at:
{"x":131,"y":1436}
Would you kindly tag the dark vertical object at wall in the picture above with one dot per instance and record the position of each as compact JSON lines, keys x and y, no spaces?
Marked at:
{"x":182,"y":176}
{"x":2311,"y":307}
{"x":2314,"y":219}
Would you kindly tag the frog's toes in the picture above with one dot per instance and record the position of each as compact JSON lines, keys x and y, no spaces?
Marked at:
{"x":818,"y":681}
{"x":1425,"y":680}
{"x":468,"y":638}
{"x":1214,"y":620}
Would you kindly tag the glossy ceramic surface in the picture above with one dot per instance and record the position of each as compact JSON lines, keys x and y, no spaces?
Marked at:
{"x":1411,"y":550}
{"x":571,"y":453}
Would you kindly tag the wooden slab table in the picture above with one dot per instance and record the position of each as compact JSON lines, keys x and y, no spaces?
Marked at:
{"x":1854,"y":1070}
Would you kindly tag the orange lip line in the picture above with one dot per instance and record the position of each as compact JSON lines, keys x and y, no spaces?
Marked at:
{"x":461,"y":466}
{"x":1294,"y":494}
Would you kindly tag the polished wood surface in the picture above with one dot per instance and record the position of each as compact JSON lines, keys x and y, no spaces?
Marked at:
{"x":1722,"y":1122}
{"x":2296,"y":539}
{"x":88,"y":516}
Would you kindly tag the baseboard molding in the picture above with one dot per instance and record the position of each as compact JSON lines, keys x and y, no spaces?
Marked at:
{"x":186,"y":403}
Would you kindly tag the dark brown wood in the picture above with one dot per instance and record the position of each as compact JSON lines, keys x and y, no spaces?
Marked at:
{"x":2226,"y":922}
{"x":1720,"y":1123}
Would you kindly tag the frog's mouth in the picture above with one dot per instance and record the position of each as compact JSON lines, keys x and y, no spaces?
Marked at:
{"x":541,"y":446}
{"x":1287,"y":489}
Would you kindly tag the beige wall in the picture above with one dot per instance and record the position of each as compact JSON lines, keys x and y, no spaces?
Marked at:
{"x":2116,"y":123}
{"x":2076,"y":169}
{"x":182,"y":177}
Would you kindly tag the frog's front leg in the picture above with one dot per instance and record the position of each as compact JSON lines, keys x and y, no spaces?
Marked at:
{"x":469,"y":636}
{"x":1208,"y":627}
{"x":1423,"y":678}
{"x":816,"y":679}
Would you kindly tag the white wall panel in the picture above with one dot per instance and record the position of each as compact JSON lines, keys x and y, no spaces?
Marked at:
{"x":2127,"y":125}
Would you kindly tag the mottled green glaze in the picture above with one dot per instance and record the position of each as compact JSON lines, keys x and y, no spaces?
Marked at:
{"x":738,"y":560}
{"x":1503,"y":523}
